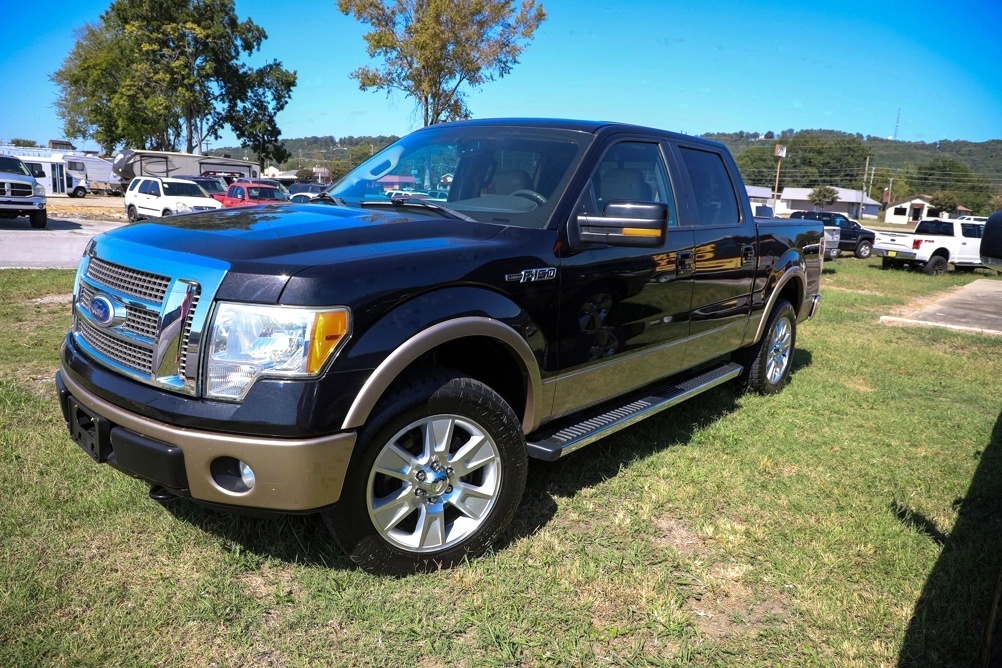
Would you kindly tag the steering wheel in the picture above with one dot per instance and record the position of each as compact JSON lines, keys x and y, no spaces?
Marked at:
{"x":530,"y":194}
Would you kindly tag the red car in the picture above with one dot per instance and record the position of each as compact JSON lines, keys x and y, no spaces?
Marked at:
{"x":247,"y":194}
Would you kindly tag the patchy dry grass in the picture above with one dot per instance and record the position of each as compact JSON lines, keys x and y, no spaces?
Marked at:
{"x":853,"y":520}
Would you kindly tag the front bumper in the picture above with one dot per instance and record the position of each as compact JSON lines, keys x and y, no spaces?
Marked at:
{"x":292,"y":475}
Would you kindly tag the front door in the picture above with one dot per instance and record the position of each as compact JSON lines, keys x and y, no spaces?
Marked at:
{"x":624,"y":312}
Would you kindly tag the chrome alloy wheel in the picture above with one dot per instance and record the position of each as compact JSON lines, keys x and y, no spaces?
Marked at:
{"x":780,"y":347}
{"x":434,"y":483}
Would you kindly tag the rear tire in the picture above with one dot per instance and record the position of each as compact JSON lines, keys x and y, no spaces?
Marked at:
{"x":863,"y":250}
{"x":768,"y":362}
{"x":39,"y":219}
{"x":936,"y":266}
{"x":437,"y":476}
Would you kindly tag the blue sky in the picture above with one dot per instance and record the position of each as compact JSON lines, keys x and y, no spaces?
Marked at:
{"x":693,"y":67}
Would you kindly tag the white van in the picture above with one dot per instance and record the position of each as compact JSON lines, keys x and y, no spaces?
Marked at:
{"x":53,"y":175}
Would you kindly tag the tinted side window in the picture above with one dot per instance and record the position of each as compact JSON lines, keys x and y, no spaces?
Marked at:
{"x":716,"y":202}
{"x":629,"y":171}
{"x":971,"y":230}
{"x":144,"y":188}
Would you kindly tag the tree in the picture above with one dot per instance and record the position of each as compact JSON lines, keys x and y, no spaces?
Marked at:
{"x":27,"y":143}
{"x":304,"y":174}
{"x":432,"y":49}
{"x":945,"y":201}
{"x":165,"y":73}
{"x":822,"y":196}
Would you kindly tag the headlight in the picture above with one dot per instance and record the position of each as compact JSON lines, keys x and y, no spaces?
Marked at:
{"x":182,"y":206}
{"x":38,"y":189}
{"x":249,"y":341}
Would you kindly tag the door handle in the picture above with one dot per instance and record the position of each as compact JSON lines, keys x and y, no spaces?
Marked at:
{"x":685,"y":264}
{"x":747,"y":254}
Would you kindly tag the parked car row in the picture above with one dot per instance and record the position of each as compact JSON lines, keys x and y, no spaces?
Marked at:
{"x":156,"y":197}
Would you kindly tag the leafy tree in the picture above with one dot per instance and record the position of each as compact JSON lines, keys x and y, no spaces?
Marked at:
{"x":165,"y":73}
{"x":431,"y":49}
{"x":304,"y":174}
{"x":947,"y":174}
{"x":27,"y":143}
{"x":945,"y":201}
{"x":822,"y":196}
{"x":757,"y":165}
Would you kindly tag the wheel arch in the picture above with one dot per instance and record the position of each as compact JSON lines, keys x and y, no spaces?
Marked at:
{"x":459,"y":344}
{"x":790,"y":283}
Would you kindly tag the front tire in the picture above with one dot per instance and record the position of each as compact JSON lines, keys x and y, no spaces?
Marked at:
{"x":936,"y":266}
{"x":863,"y":250}
{"x":39,"y":219}
{"x":79,"y":192}
{"x":438,"y":475}
{"x":769,"y":361}
{"x":132,"y":214}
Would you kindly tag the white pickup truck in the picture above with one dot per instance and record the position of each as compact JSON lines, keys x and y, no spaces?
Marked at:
{"x":933,"y":246}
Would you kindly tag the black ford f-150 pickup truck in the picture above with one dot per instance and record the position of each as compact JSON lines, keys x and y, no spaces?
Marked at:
{"x":391,"y":363}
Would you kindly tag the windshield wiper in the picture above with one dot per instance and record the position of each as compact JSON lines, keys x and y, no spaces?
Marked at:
{"x":423,"y":203}
{"x":323,"y":196}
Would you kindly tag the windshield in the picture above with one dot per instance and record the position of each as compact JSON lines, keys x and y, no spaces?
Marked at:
{"x":494,"y":174}
{"x":10,"y":165}
{"x":211,"y":185}
{"x":266,"y":193}
{"x":183,"y":190}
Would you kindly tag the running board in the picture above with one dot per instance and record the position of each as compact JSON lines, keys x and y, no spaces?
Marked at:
{"x":567,"y":439}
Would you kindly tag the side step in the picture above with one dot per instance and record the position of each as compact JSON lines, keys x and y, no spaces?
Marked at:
{"x":550,"y":446}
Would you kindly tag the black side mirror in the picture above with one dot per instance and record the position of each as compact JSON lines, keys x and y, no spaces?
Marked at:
{"x":629,"y":224}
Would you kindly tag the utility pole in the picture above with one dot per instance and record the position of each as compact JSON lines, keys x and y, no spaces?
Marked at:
{"x":862,"y":188}
{"x":780,"y":153}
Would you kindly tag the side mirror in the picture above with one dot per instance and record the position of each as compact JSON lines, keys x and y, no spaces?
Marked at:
{"x":629,"y":224}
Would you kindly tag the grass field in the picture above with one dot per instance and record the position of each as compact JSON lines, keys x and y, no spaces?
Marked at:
{"x":853,"y":520}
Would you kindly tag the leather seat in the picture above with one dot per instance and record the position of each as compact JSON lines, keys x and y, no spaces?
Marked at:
{"x":508,"y":181}
{"x":623,"y":184}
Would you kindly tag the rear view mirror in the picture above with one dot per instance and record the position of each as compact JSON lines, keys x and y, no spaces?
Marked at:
{"x":631,"y":224}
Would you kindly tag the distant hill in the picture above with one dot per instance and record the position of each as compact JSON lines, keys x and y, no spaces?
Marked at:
{"x":984,"y":158}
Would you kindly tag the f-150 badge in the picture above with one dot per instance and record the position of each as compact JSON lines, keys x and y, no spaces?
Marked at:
{"x":532,"y":275}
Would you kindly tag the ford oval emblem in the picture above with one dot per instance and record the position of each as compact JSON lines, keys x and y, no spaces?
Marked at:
{"x":102,"y":310}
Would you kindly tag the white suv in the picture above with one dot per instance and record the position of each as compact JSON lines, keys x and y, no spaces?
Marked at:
{"x":154,"y":197}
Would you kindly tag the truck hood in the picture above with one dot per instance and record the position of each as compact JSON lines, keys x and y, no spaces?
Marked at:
{"x":281,"y":241}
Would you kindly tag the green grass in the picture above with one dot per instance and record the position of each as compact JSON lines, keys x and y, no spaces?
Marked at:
{"x":852,"y":520}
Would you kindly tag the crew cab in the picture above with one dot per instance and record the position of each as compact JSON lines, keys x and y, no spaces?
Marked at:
{"x":852,"y":236}
{"x":20,"y":193}
{"x":250,"y":193}
{"x":391,"y":364}
{"x":933,"y":245}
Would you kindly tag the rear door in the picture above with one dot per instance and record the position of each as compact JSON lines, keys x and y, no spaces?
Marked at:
{"x":726,"y":253}
{"x":148,"y":199}
{"x":969,"y":243}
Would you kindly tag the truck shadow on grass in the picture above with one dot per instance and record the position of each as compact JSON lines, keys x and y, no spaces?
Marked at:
{"x":304,"y":539}
{"x":955,"y":622}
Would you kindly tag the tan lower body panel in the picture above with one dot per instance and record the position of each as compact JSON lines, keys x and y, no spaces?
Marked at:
{"x":292,"y":474}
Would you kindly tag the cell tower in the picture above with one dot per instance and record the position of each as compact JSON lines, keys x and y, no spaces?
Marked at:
{"x":896,"y":124}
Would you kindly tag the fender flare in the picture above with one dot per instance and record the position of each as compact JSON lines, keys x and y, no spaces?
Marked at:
{"x":792,"y":269}
{"x":427,"y":339}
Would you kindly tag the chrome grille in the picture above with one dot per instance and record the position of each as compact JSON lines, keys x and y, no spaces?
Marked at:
{"x":127,"y":354}
{"x":141,"y":284}
{"x":140,"y":321}
{"x":15,"y":189}
{"x":186,"y":336}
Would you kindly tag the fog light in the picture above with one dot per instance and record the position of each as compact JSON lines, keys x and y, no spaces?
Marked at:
{"x":232,"y":475}
{"x":246,"y":475}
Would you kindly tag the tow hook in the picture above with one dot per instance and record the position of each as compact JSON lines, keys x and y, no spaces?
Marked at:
{"x":160,"y":493}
